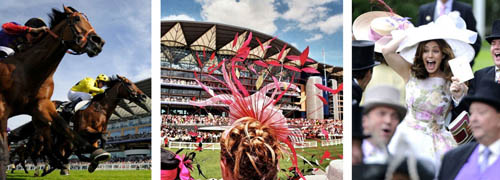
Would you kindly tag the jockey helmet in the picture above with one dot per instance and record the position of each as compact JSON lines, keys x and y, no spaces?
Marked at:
{"x":35,"y":23}
{"x":102,"y":77}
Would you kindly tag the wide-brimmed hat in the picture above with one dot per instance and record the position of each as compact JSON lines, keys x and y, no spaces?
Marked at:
{"x":376,"y":26}
{"x":487,"y":93}
{"x":495,"y":31}
{"x":362,"y":55}
{"x":450,"y":27}
{"x":384,"y":95}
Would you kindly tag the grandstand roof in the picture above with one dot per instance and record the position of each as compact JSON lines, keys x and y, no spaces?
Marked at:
{"x":127,"y":109}
{"x":209,"y":36}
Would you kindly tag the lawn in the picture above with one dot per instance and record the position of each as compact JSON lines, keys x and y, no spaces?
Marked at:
{"x":484,"y":58}
{"x":210,"y":160}
{"x":84,"y":174}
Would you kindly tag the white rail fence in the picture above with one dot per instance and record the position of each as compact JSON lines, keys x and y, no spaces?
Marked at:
{"x":105,"y":166}
{"x":216,"y":146}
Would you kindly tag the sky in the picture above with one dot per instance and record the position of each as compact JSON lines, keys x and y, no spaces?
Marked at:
{"x":313,"y":23}
{"x":125,"y":25}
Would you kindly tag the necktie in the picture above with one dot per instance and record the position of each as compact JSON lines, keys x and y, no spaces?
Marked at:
{"x":497,"y":75}
{"x":443,"y":8}
{"x":484,"y":163}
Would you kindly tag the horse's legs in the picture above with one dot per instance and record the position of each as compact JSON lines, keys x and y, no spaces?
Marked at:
{"x":24,"y":166}
{"x":47,"y":113}
{"x":37,"y":169}
{"x":103,"y":140}
{"x":4,"y":150}
{"x":14,"y":167}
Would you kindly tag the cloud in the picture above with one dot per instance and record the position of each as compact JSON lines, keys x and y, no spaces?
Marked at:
{"x":312,"y":15}
{"x":314,"y":38}
{"x":254,"y":14}
{"x":305,"y":11}
{"x":178,"y":17}
{"x":331,"y":25}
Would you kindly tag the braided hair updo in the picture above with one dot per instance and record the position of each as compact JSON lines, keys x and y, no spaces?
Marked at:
{"x":250,"y":150}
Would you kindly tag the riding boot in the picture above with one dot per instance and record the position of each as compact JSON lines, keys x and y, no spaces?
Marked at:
{"x":3,"y":55}
{"x":71,"y":106}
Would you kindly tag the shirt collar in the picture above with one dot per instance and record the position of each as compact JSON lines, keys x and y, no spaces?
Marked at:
{"x":447,"y":4}
{"x":494,"y":148}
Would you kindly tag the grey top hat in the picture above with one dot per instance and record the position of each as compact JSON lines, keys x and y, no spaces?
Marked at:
{"x":383,"y":96}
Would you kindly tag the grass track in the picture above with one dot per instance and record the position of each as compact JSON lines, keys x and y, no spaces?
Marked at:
{"x":83,"y":174}
{"x":484,"y":58}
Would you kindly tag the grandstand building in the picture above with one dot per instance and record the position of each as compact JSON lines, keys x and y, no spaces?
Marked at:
{"x":129,"y":128}
{"x":183,"y":42}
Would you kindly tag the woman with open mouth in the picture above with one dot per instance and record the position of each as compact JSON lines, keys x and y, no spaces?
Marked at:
{"x":420,"y":56}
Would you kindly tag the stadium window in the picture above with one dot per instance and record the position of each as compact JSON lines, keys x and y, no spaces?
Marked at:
{"x":129,"y":131}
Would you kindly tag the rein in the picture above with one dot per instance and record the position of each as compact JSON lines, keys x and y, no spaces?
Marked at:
{"x":71,"y":23}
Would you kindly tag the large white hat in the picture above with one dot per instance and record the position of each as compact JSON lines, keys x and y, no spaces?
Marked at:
{"x":450,"y":27}
{"x":376,"y":26}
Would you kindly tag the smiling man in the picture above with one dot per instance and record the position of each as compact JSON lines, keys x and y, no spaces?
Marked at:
{"x":382,"y":112}
{"x":491,"y":73}
{"x":478,"y":160}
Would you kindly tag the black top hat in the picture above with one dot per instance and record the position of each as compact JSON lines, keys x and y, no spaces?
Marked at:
{"x":488,"y":93}
{"x":362,"y":55}
{"x":357,"y":128}
{"x":495,"y":31}
{"x":168,"y":160}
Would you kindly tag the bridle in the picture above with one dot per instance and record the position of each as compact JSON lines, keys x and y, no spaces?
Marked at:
{"x":133,"y":95}
{"x":78,"y":39}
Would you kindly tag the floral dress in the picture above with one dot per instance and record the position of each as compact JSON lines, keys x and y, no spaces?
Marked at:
{"x":428,"y":102}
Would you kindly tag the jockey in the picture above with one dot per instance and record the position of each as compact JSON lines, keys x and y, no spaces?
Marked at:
{"x":13,"y":34}
{"x":86,"y":88}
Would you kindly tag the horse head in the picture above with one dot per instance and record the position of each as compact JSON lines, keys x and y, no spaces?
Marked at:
{"x":128,"y":90}
{"x":77,"y":33}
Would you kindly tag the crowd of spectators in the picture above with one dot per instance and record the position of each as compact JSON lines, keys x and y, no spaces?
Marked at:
{"x":129,"y":136}
{"x":173,"y":130}
{"x":217,"y":120}
{"x":312,"y":128}
{"x":170,"y":133}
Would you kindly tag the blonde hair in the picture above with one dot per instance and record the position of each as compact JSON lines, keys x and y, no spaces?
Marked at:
{"x":250,"y":150}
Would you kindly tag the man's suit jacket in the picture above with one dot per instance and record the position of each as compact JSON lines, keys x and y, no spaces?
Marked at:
{"x":357,"y":93}
{"x":454,"y":160}
{"x":427,"y":10}
{"x":488,"y":74}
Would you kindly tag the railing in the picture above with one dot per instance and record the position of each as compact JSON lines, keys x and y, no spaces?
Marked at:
{"x":104,"y":166}
{"x":305,"y":144}
{"x":216,"y":146}
{"x":193,"y":145}
{"x":332,"y":142}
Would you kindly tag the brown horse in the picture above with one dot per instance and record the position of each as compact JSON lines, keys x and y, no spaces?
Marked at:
{"x":26,"y":79}
{"x":33,"y":149}
{"x":92,"y":122}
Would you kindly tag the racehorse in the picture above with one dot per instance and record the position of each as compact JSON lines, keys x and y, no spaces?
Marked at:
{"x":26,"y":78}
{"x":92,"y":122}
{"x":32,"y":149}
{"x":22,"y":154}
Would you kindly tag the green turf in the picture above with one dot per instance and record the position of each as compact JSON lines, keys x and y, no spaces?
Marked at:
{"x":84,"y":174}
{"x":484,"y":58}
{"x":210,"y":160}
